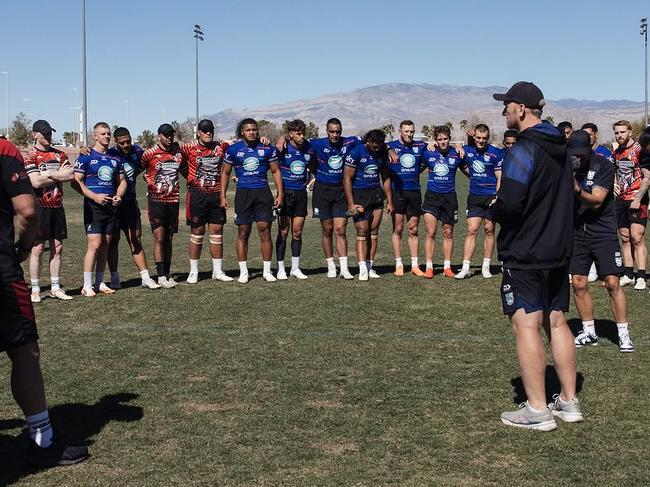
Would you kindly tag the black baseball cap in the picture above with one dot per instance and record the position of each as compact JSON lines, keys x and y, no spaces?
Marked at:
{"x":579,"y":144}
{"x":523,"y":92}
{"x":166,"y":129}
{"x":206,"y":126}
{"x":42,"y":127}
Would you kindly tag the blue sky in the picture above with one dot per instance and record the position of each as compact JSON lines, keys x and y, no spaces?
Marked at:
{"x":262,"y":52}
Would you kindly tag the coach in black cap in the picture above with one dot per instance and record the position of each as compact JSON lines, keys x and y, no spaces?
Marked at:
{"x":534,"y":206}
{"x":166,"y":129}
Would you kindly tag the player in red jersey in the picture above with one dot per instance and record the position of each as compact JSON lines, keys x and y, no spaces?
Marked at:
{"x":48,"y":168}
{"x":161,"y":165}
{"x":201,"y":166}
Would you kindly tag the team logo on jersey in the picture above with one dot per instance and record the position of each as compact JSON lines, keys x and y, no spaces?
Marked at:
{"x":440,"y":169}
{"x":335,"y":162}
{"x":451,"y":161}
{"x":297,"y":168}
{"x":416,"y":149}
{"x":506,"y":288}
{"x":478,"y":166}
{"x":129,"y":170}
{"x":618,"y":259}
{"x":251,"y":163}
{"x":105,"y":173}
{"x":260,"y":152}
{"x":316,"y":211}
{"x":307,"y":157}
{"x":240,"y":154}
{"x":371,"y":169}
{"x":510,"y":299}
{"x":486,"y":157}
{"x":407,"y":160}
{"x":591,"y":174}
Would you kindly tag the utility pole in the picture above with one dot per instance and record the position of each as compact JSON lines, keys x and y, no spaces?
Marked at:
{"x":644,"y":34}
{"x":84,"y":112}
{"x":198,"y":36}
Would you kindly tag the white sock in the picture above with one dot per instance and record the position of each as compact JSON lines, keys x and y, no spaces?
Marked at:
{"x":446,"y":264}
{"x":115,"y":279}
{"x":363,"y":266}
{"x":266,"y":266}
{"x":330,"y":263}
{"x":55,"y":283}
{"x":281,"y":268}
{"x":36,"y":286}
{"x":622,"y":329}
{"x":429,"y":264}
{"x":216,"y":266}
{"x":398,"y":262}
{"x":99,"y":278}
{"x":88,"y":279}
{"x":145,"y":275}
{"x":589,"y":327}
{"x":40,"y":429}
{"x":371,"y":263}
{"x":466,"y":264}
{"x":295,"y":263}
{"x":343,"y":262}
{"x":243,"y":267}
{"x":414,"y":261}
{"x":194,"y":266}
{"x":486,"y":263}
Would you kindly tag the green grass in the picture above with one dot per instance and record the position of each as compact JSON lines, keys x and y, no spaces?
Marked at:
{"x":322,"y":382}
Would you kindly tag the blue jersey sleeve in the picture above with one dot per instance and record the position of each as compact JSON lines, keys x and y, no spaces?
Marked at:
{"x":80,"y":165}
{"x":229,"y":157}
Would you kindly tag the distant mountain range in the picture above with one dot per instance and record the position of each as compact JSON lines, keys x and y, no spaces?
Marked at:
{"x":375,"y":106}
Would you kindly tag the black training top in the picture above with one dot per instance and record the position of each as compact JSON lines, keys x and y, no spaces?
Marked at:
{"x":598,"y":224}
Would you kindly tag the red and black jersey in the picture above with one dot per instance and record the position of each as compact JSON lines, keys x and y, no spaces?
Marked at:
{"x":52,"y":160}
{"x":202,"y":165}
{"x":160,"y":170}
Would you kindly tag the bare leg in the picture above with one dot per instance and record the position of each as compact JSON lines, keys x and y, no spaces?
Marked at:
{"x":530,"y":353}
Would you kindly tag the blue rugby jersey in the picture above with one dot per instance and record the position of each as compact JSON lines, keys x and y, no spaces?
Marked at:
{"x":293,"y":165}
{"x":100,"y":172}
{"x":442,"y":170}
{"x":368,"y":167}
{"x":330,"y":159}
{"x":251,"y":163}
{"x":482,"y":167}
{"x":605,"y":152}
{"x":131,"y":164}
{"x":405,"y":175}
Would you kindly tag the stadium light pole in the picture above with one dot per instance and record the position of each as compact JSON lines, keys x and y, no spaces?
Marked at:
{"x":644,"y":34}
{"x":77,"y":117}
{"x":28,"y":108}
{"x":84,"y":111}
{"x":198,"y":36}
{"x":6,"y":74}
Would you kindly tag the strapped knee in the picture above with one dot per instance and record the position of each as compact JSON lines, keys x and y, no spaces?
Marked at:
{"x":361,"y":239}
{"x":216,"y":239}
{"x":374,"y":237}
{"x":196,"y":239}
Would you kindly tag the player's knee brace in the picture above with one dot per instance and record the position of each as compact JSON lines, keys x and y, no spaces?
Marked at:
{"x":374,"y":237}
{"x":196,"y":239}
{"x":361,"y":239}
{"x":216,"y":239}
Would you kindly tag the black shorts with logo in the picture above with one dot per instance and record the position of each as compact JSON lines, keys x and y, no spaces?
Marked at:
{"x":128,"y":216}
{"x":203,"y":208}
{"x":407,"y":202}
{"x":625,"y":217}
{"x":163,"y":215}
{"x":100,"y":219}
{"x":370,"y":198}
{"x":535,"y":290}
{"x":253,"y":205}
{"x":52,"y":224}
{"x":443,"y":206}
{"x":328,"y":201}
{"x":605,"y":253}
{"x":295,"y":203}
{"x":477,"y":205}
{"x":17,"y":322}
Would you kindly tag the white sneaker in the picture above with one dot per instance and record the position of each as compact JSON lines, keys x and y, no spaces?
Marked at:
{"x":640,"y":284}
{"x":243,"y":278}
{"x":297,"y":273}
{"x":486,"y":273}
{"x":331,"y":272}
{"x":269,"y":277}
{"x":60,"y":294}
{"x":345,"y":274}
{"x":150,"y":284}
{"x":624,"y":281}
{"x":363,"y":275}
{"x":88,"y":292}
{"x":104,"y":289}
{"x":172,"y":282}
{"x":222,"y":276}
{"x":372,"y":274}
{"x":281,"y":275}
{"x":585,"y":339}
{"x":36,"y":297}
{"x":463,"y":274}
{"x":192,"y":278}
{"x":166,"y":283}
{"x":625,"y":344}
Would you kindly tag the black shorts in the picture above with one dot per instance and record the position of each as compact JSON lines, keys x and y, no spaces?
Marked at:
{"x":17,"y":322}
{"x":605,"y":253}
{"x":370,"y":198}
{"x":100,"y":219}
{"x":295,"y":203}
{"x":535,"y":290}
{"x":443,"y":206}
{"x":253,"y":205}
{"x":163,"y":215}
{"x":407,"y":202}
{"x":625,"y":217}
{"x":128,"y":216}
{"x":477,"y":205}
{"x":328,"y":201}
{"x":204,"y":208}
{"x":52,"y":224}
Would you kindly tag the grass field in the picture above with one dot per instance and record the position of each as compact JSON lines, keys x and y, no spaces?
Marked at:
{"x":396,"y":381}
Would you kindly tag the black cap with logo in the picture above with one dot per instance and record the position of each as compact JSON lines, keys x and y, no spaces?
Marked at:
{"x":523,"y":92}
{"x":579,"y":144}
{"x":206,"y":126}
{"x":42,"y":127}
{"x":166,"y":129}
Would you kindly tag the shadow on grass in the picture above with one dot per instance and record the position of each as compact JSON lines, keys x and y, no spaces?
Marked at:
{"x":604,"y":329}
{"x":552,"y":385}
{"x":74,"y":424}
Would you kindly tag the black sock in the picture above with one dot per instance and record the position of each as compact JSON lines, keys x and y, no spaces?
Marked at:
{"x":296,"y":247}
{"x":280,"y":248}
{"x":629,"y":272}
{"x":640,"y":274}
{"x":167,"y":268}
{"x":160,"y":269}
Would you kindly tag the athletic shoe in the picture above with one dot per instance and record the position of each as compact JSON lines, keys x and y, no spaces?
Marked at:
{"x":55,"y":455}
{"x":60,"y":294}
{"x":222,"y":276}
{"x":281,"y":275}
{"x":36,"y":297}
{"x":485,"y":271}
{"x":416,"y":271}
{"x":448,"y":272}
{"x":372,"y":274}
{"x":524,"y":417}
{"x":345,"y":274}
{"x":463,"y":274}
{"x":428,"y":274}
{"x":331,"y":272}
{"x":585,"y":339}
{"x":166,"y":283}
{"x":269,"y":277}
{"x":104,"y":289}
{"x":242,"y":279}
{"x":569,"y":412}
{"x":399,"y":270}
{"x":171,"y":282}
{"x":624,"y":281}
{"x":592,"y":277}
{"x":192,"y":278}
{"x":363,"y":275}
{"x":640,"y":284}
{"x":625,"y":344}
{"x":88,"y":292}
{"x":298,"y":274}
{"x":150,"y":284}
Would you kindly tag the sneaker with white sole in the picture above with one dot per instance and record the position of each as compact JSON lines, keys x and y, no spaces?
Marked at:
{"x":585,"y":339}
{"x":166,"y":283}
{"x":567,"y":411}
{"x":363,"y":275}
{"x":150,"y":284}
{"x":298,"y":274}
{"x":281,"y":275}
{"x":463,"y":274}
{"x":269,"y":277}
{"x":625,"y":344}
{"x":345,"y":274}
{"x":372,"y":274}
{"x":525,"y":417}
{"x":624,"y":281}
{"x":640,"y":284}
{"x":60,"y":294}
{"x":104,"y":289}
{"x":192,"y":278}
{"x":88,"y":292}
{"x":171,"y":282}
{"x":242,"y":279}
{"x":331,"y":272}
{"x":485,"y":271}
{"x":36,"y":297}
{"x":222,"y":276}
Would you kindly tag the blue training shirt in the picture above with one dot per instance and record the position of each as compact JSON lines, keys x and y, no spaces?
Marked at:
{"x":100,"y":172}
{"x":482,"y":168}
{"x":368,"y":167}
{"x":251,"y":163}
{"x":131,"y":165}
{"x":442,"y":170}
{"x":605,"y":152}
{"x":329,"y":159}
{"x":405,"y":175}
{"x":293,"y":165}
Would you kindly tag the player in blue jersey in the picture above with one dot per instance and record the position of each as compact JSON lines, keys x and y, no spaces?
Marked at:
{"x":440,"y":200}
{"x":128,"y":213}
{"x":482,"y":163}
{"x":99,"y":177}
{"x":509,"y":138}
{"x":365,"y":167}
{"x":601,"y":150}
{"x":253,"y":199}
{"x":294,"y":158}
{"x":407,"y":198}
